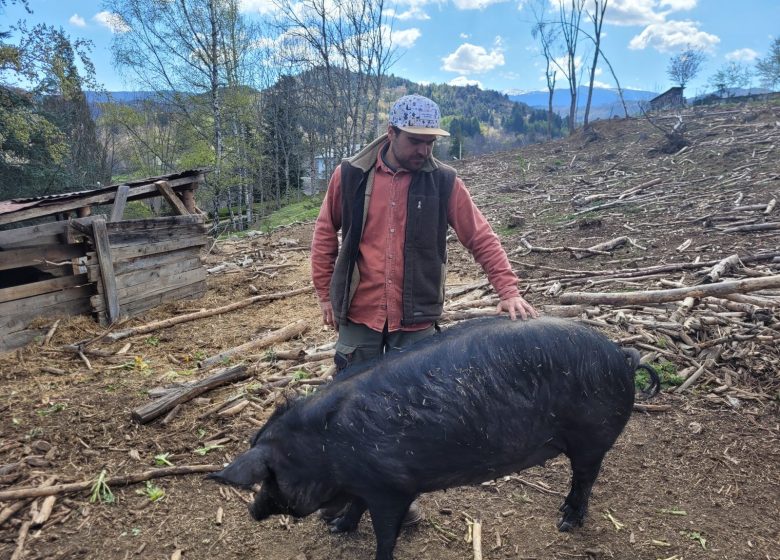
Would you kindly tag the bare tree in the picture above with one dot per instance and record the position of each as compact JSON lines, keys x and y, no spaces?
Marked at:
{"x":547,"y":34}
{"x":684,"y":67}
{"x":597,"y":17}
{"x":729,"y":77}
{"x":343,"y":50}
{"x":569,"y":21}
{"x":768,"y":68}
{"x":189,"y":53}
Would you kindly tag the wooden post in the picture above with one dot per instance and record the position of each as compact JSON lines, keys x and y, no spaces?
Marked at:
{"x":172,"y":198}
{"x":84,"y":211}
{"x":103,"y":251}
{"x":120,"y":201}
{"x":188,"y":198}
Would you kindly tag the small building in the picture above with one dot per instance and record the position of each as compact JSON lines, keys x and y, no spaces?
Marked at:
{"x":670,"y":99}
{"x":58,"y":258}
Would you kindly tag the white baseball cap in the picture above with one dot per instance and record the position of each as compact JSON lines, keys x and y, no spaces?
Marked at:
{"x":417,"y":115}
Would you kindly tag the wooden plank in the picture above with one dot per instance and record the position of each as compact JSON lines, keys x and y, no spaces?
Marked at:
{"x":126,"y":239}
{"x":155,"y":274}
{"x":31,"y":306}
{"x":144,"y":262}
{"x":134,"y":251}
{"x":143,"y":224}
{"x":120,"y":201}
{"x":139,"y":306}
{"x":107,"y":278}
{"x":31,"y":242}
{"x":42,"y":287}
{"x":32,"y":256}
{"x":172,"y":198}
{"x":144,"y":190}
{"x":12,"y":236}
{"x":164,"y":283}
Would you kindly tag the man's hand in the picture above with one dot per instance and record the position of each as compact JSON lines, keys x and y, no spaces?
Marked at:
{"x":327,"y":314}
{"x":517,"y":306}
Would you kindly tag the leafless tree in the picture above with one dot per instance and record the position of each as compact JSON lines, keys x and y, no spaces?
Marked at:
{"x":597,"y":18}
{"x":768,"y":68}
{"x":343,"y":50}
{"x":569,"y":21}
{"x":547,"y":34}
{"x":684,"y":66}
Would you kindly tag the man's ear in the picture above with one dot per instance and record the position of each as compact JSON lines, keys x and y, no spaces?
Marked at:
{"x":246,"y":470}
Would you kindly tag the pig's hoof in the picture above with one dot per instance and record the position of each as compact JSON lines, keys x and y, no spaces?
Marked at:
{"x":342,"y":525}
{"x":571,"y":518}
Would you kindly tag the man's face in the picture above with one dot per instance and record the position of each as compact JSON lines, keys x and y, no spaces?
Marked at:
{"x":409,"y":151}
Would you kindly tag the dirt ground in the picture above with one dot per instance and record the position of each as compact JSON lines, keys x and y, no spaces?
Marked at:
{"x":700,"y":480}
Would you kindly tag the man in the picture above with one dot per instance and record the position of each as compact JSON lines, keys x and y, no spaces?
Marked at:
{"x":393,"y":202}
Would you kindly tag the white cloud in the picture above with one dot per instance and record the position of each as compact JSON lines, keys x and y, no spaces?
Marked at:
{"x":644,"y":12}
{"x":475,"y":4}
{"x":405,"y":38}
{"x":677,"y":5}
{"x":257,"y":6}
{"x":600,"y":84}
{"x":77,"y":20}
{"x":670,"y":36}
{"x":464,"y":81}
{"x":742,"y":55}
{"x":472,"y":59}
{"x":112,"y":21}
{"x":464,"y":35}
{"x":562,"y":64}
{"x":414,"y":12}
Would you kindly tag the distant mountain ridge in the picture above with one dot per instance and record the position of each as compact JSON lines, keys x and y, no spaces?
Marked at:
{"x":605,"y":102}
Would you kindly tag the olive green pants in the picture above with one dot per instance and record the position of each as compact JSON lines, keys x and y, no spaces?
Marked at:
{"x":357,"y":343}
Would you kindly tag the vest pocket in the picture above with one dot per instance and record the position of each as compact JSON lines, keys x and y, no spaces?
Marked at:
{"x":424,"y":219}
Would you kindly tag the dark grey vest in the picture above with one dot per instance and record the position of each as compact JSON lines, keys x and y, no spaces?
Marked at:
{"x":425,"y":245}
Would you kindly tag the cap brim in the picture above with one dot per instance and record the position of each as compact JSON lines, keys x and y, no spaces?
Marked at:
{"x":422,"y":130}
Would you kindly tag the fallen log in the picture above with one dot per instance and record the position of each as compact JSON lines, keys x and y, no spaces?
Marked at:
{"x":125,"y":480}
{"x":148,"y":412}
{"x":753,"y":227}
{"x":676,"y":294}
{"x":285,"y":333}
{"x":606,"y":246}
{"x":166,"y":323}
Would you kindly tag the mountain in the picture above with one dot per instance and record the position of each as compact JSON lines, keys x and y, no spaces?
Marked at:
{"x":605,"y":103}
{"x":122,"y":97}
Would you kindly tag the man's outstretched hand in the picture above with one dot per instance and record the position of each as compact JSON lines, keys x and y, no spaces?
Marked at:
{"x":517,"y":307}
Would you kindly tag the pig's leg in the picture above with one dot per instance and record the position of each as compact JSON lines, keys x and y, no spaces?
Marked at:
{"x":585,"y":468}
{"x":349,"y":521}
{"x":387,"y":515}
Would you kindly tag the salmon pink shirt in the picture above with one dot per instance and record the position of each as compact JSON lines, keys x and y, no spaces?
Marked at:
{"x":378,"y":299}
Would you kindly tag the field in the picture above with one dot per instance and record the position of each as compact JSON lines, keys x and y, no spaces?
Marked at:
{"x":694,"y":476}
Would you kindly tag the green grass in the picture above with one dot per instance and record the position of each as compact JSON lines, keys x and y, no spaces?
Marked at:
{"x":666,"y":371}
{"x":305,"y":210}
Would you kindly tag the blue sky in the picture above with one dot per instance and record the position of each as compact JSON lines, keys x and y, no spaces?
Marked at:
{"x":489,"y":41}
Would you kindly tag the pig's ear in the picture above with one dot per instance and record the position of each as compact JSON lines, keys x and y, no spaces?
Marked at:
{"x":248,"y":469}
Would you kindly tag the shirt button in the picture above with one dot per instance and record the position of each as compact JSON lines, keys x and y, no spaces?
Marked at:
{"x":389,"y":281}
{"x":392,"y":230}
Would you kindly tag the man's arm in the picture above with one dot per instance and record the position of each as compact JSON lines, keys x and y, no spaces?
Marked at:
{"x":475,"y":233}
{"x":325,"y":245}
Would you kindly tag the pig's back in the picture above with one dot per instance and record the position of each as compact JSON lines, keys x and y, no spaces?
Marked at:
{"x":480,"y":400}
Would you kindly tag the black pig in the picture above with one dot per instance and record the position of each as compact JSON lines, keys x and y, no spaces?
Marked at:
{"x":483,"y":399}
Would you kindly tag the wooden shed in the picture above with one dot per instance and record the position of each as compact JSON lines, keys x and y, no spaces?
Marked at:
{"x":670,"y":99}
{"x":59,"y":258}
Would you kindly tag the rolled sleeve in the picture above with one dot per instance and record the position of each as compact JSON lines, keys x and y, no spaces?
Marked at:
{"x":475,"y":233}
{"x":325,"y":241}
